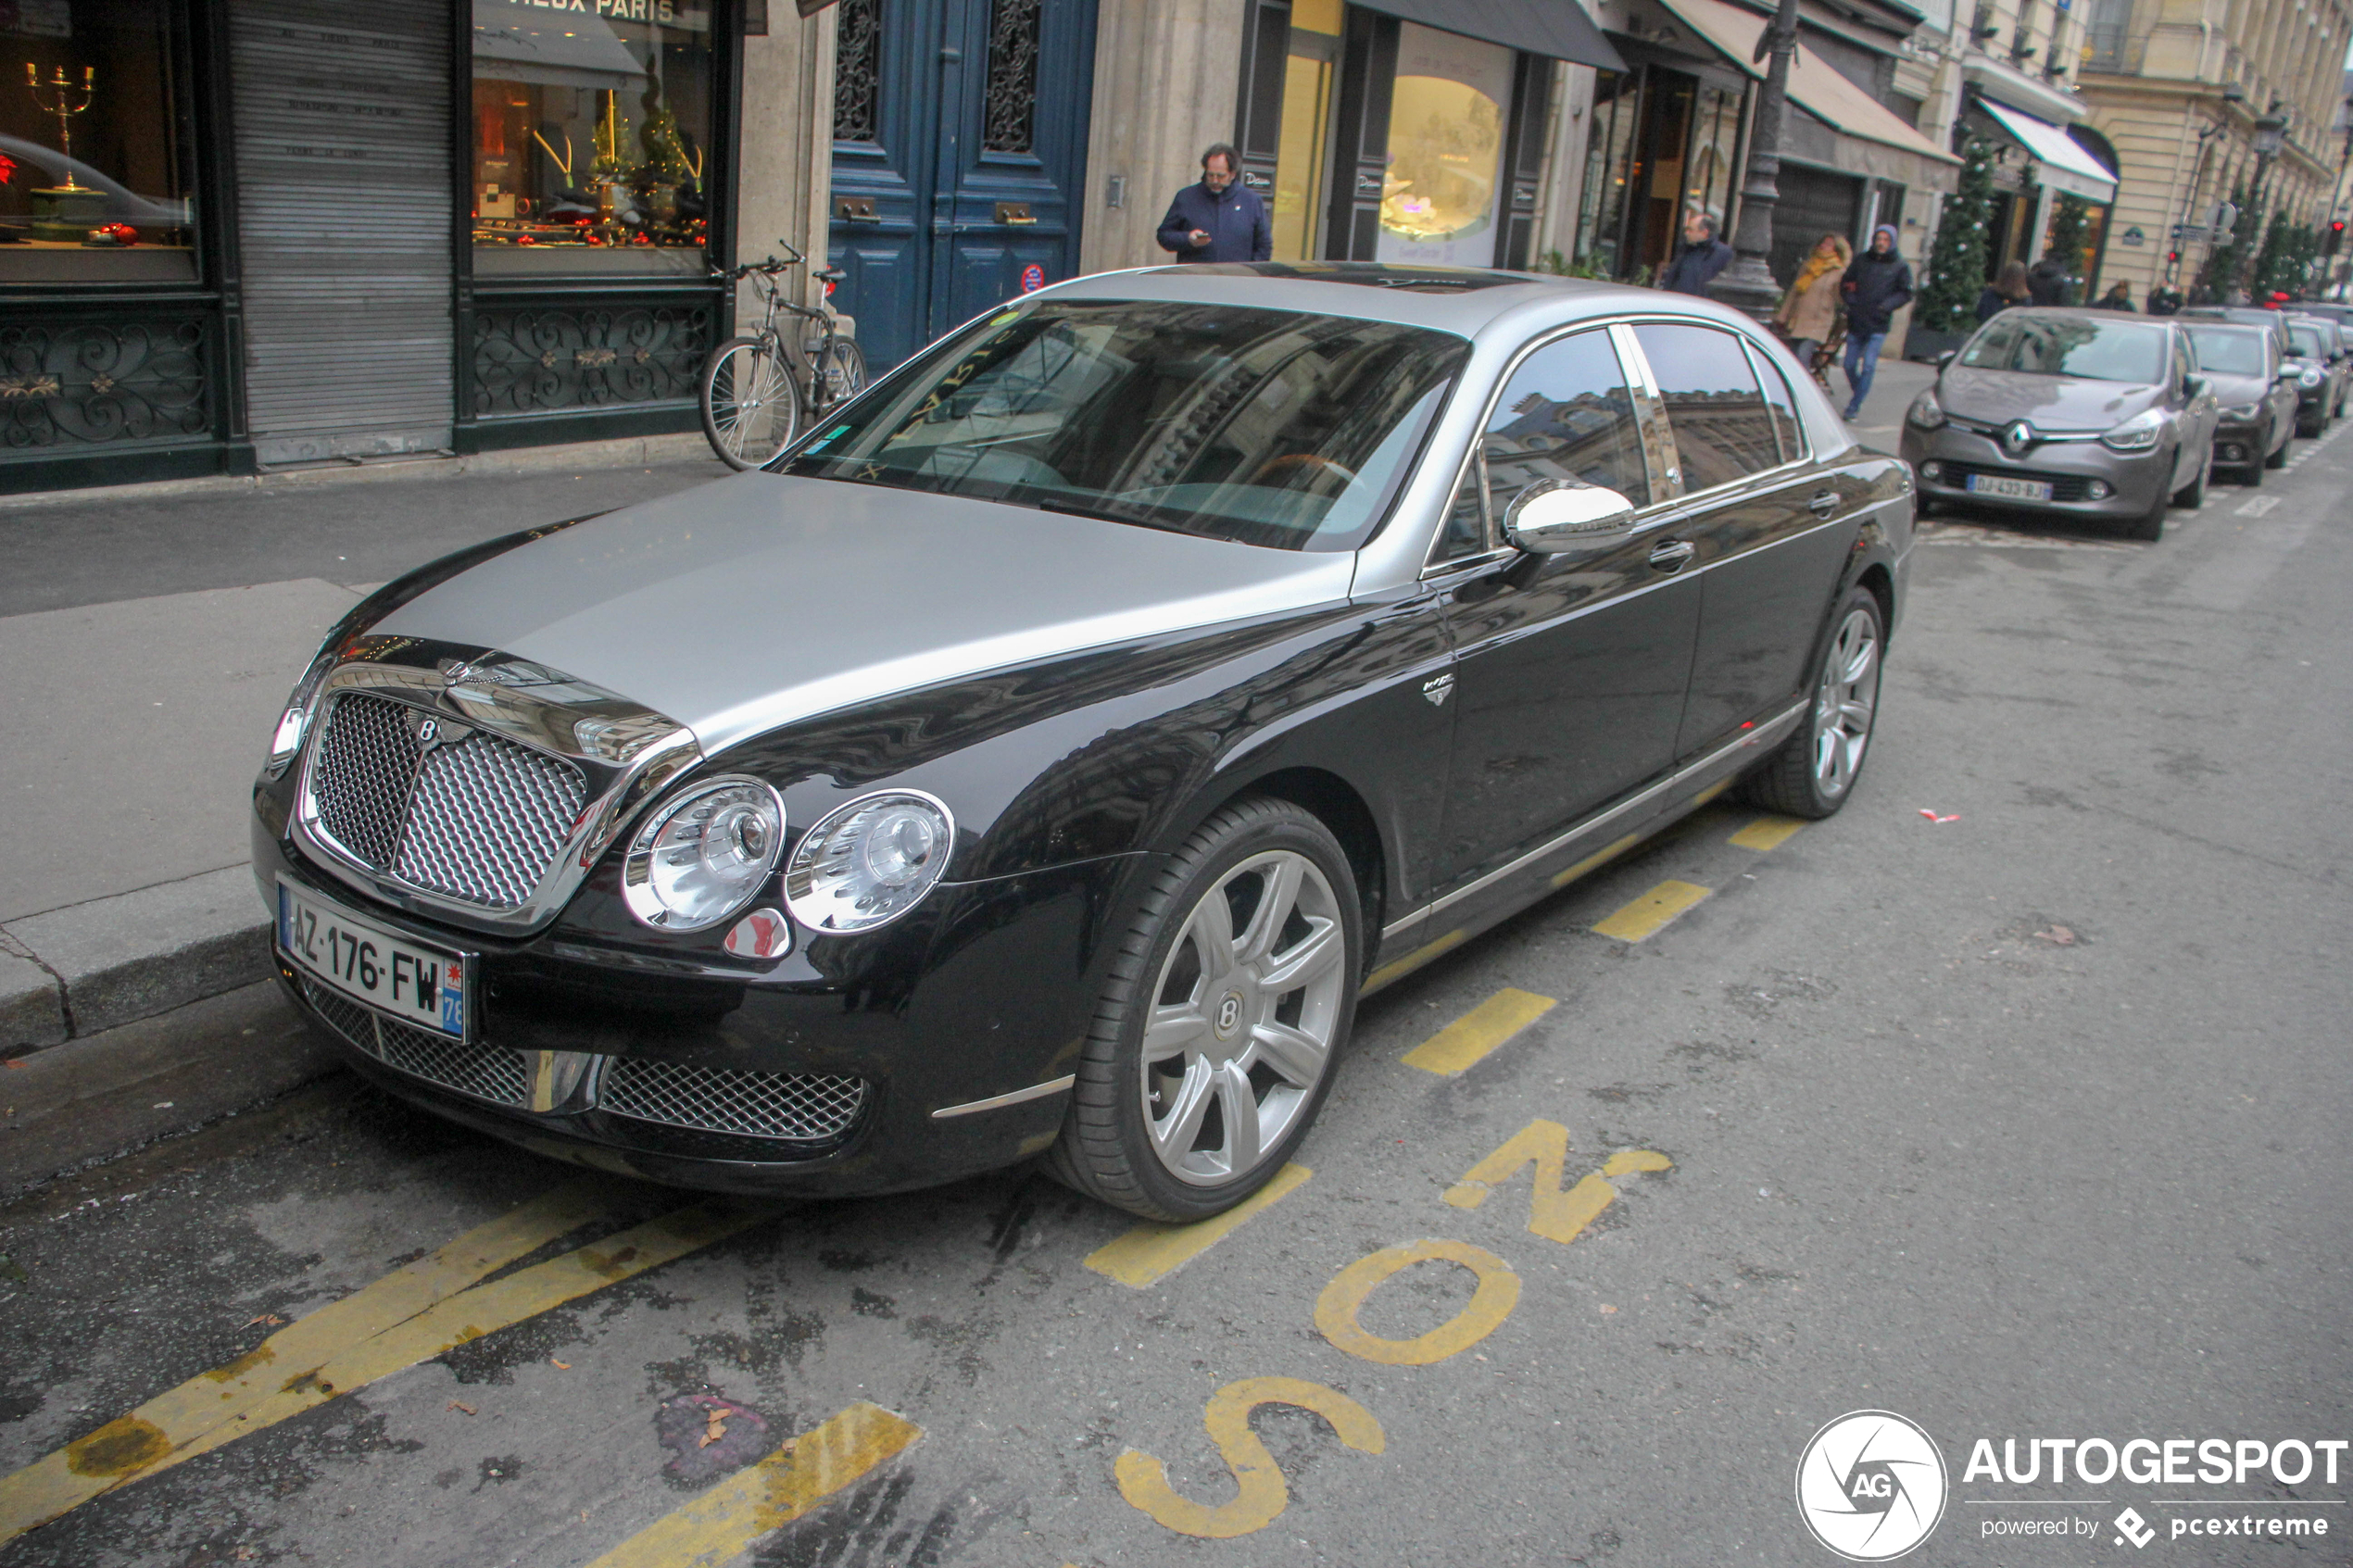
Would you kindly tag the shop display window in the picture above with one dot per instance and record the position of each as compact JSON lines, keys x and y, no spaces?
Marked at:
{"x":591,"y":135}
{"x":96,"y":183}
{"x":1609,"y":166}
{"x":1445,"y":150}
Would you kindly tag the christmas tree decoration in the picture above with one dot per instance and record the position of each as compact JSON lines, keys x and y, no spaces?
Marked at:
{"x":1956,"y":263}
{"x":2070,"y":241}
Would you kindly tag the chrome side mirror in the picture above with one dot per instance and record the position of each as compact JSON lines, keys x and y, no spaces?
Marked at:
{"x":1554,"y":515}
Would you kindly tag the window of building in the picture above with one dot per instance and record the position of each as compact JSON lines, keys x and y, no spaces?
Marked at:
{"x":1439,"y":199}
{"x":1566,"y":413}
{"x":592,"y":136}
{"x":1609,"y":165}
{"x":96,"y":177}
{"x":1721,"y":427}
{"x":1299,"y":160}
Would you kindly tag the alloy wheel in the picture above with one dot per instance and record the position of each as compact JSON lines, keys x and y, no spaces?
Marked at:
{"x":1243,"y":1019}
{"x":1843,"y":708}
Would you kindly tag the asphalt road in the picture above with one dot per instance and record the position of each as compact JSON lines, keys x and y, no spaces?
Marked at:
{"x":2011,"y":1101}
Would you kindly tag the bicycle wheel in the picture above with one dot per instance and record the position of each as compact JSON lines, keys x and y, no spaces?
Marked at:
{"x":750,"y":409}
{"x":841,"y":371}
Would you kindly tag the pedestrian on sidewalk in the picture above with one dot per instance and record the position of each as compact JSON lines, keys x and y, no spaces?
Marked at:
{"x":1217,"y":220}
{"x":1809,"y":311}
{"x":2117,"y":298}
{"x":1875,"y":288}
{"x":2004,"y":292}
{"x":1700,"y":258}
{"x":2047,"y":281}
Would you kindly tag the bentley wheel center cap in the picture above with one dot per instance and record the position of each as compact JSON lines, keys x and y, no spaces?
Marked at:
{"x":1229,"y":1015}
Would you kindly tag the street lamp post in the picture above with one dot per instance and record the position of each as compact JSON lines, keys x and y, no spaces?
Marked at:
{"x":2270,"y":134}
{"x":1747,"y":284}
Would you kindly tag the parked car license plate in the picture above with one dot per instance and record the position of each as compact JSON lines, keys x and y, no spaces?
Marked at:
{"x":2016,"y":489}
{"x":424,"y":985}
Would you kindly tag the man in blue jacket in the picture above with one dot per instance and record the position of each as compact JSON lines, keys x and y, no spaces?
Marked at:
{"x":1874,"y":289}
{"x":1217,"y":220}
{"x":1702,"y":257}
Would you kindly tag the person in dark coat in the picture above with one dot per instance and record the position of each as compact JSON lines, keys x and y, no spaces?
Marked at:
{"x":1875,"y":288}
{"x":1702,"y":257}
{"x":2003,"y":292}
{"x":2117,"y":298}
{"x":1219,"y":219}
{"x":2047,"y":281}
{"x":2164,"y":301}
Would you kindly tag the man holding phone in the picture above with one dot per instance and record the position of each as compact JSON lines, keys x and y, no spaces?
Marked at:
{"x":1219,"y":219}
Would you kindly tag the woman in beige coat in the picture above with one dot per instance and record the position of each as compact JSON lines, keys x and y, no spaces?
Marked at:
{"x":1809,"y":311}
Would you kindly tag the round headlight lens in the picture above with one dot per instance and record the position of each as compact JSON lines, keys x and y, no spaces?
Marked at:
{"x":1925,"y":413}
{"x":869,"y":862}
{"x":702,"y":856}
{"x":2312,"y":377}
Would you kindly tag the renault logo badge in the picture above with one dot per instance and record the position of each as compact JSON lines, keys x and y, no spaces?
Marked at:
{"x":2019,"y":436}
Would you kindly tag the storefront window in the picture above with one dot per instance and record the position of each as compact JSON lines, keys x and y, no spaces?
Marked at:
{"x":1307,"y":102}
{"x":95,"y":180}
{"x":1445,"y":150}
{"x":591,"y":135}
{"x":1707,"y":172}
{"x":1609,"y":164}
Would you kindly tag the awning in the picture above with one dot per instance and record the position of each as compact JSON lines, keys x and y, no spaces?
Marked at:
{"x":1872,"y":140}
{"x":515,"y":43}
{"x":2066,"y":166}
{"x":1558,"y":29}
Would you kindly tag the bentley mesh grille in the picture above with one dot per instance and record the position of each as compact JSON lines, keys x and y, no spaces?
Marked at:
{"x":360,"y":778}
{"x":485,"y":1072}
{"x":480,"y":819}
{"x":487,"y":819}
{"x":805,"y":1107}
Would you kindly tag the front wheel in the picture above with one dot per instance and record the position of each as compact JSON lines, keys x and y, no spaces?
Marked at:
{"x":1811,"y":773}
{"x":750,"y":409}
{"x":2193,"y":495}
{"x":1229,"y":997}
{"x":2279,"y":459}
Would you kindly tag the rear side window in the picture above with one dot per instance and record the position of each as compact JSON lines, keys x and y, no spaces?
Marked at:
{"x":1780,"y":404}
{"x":1723,"y":429}
{"x":1566,"y":413}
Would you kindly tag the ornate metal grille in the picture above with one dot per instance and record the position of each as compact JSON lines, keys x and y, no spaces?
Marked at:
{"x":805,"y":1107}
{"x":858,"y":71}
{"x":103,"y":382}
{"x":540,"y":360}
{"x":1009,"y":122}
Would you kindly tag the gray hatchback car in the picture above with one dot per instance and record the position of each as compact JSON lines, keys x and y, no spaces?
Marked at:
{"x":2081,"y":413}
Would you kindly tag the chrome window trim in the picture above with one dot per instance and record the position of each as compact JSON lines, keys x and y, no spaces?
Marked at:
{"x":625,"y":752}
{"x":1768,"y":733}
{"x":1758,"y":366}
{"x":1666,"y":425}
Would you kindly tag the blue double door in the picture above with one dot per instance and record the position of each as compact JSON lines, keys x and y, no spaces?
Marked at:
{"x":960,"y":144}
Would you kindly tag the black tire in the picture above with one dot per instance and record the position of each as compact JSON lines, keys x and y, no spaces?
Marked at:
{"x":748,"y":433}
{"x":1792,"y":780}
{"x":2252,"y":475}
{"x":1106,"y":1148}
{"x":2150,"y":525}
{"x":2279,"y":459}
{"x":2193,"y":495}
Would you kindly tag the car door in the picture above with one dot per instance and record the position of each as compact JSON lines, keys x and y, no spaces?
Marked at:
{"x":1765,"y":528}
{"x":1570,"y":668}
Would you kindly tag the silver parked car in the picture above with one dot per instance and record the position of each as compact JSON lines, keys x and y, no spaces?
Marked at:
{"x":2080,"y":413}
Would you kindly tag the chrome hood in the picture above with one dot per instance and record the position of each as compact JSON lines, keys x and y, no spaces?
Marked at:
{"x":759,"y":600}
{"x":2054,"y":404}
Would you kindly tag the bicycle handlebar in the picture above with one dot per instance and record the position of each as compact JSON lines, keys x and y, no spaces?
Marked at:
{"x":771,"y":266}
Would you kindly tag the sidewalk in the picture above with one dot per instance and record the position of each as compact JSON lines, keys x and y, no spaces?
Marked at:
{"x":150,"y":635}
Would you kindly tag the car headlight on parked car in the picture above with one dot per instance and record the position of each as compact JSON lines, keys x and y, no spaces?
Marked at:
{"x":703,"y":853}
{"x":286,"y":740}
{"x":1925,"y":413}
{"x":869,"y":862}
{"x":2137,"y":434}
{"x":2310,"y":377}
{"x":2242,"y":410}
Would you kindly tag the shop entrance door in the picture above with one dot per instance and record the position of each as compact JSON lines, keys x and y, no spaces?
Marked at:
{"x":960,"y":137}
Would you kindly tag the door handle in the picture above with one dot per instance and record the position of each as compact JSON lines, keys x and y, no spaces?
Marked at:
{"x":1672,"y":554}
{"x":1823,"y":504}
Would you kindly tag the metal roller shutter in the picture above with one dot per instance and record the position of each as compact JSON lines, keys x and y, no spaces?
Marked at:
{"x":342,"y":135}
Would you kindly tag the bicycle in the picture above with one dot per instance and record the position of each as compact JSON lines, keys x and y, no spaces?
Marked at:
{"x":752,"y":400}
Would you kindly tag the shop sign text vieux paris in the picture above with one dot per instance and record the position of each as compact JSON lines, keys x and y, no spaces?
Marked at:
{"x":620,"y":10}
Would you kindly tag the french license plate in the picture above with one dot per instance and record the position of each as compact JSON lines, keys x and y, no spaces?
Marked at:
{"x":2015,"y":489}
{"x":422,"y":985}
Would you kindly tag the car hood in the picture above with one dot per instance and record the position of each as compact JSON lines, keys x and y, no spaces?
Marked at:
{"x":2053,"y":403}
{"x":760,"y":599}
{"x":2236,"y":391}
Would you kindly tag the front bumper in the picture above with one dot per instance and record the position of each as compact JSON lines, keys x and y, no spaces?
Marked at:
{"x":2135,"y":480}
{"x":984,"y":990}
{"x":2240,"y":443}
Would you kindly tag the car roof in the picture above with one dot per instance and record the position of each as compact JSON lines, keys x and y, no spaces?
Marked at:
{"x":1454,"y":299}
{"x":2224,"y":324}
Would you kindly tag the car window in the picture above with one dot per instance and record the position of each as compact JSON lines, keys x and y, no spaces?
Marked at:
{"x":1780,"y":404}
{"x":2233,"y":351}
{"x":2079,"y":346}
{"x":1568,"y":412}
{"x":1721,"y":426}
{"x":2307,"y":342}
{"x":1274,"y":428}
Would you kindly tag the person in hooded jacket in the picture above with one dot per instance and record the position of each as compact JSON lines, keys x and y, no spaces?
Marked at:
{"x":1876,"y":286}
{"x":2047,"y":281}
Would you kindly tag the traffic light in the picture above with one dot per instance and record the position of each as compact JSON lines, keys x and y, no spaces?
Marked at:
{"x":2336,"y":239}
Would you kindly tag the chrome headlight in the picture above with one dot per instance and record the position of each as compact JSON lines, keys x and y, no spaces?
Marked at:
{"x":2310,"y":377}
{"x":869,"y":862}
{"x":285,"y":742}
{"x":1925,"y":413}
{"x":2242,"y":410}
{"x":703,"y":853}
{"x":2137,"y":434}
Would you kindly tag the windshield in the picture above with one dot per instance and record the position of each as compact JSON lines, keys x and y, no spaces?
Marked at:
{"x":2069,"y":345}
{"x":2235,"y":351}
{"x":2307,"y":342}
{"x":1266,"y":427}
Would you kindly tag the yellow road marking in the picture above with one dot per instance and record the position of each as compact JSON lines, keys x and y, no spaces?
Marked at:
{"x":1598,"y":858}
{"x":1766,"y":833}
{"x":131,"y":1444}
{"x":1464,"y":1042}
{"x":1712,"y":791}
{"x":725,"y":1521}
{"x":1497,"y":1294}
{"x":1149,"y":1253}
{"x":1261,"y":1493}
{"x":420,"y":1313}
{"x":1646,"y":914}
{"x":1552,"y":1213}
{"x":1412,"y":961}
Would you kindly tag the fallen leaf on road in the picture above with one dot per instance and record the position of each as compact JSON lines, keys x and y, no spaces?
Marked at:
{"x":1934,"y":818}
{"x":2058,"y":937}
{"x":559,"y":1366}
{"x":456,"y":1406}
{"x":270,"y":1320}
{"x":13,"y":1065}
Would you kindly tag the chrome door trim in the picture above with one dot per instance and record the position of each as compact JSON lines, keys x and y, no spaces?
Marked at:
{"x":1034,"y":1091}
{"x":1768,"y":733}
{"x":625,"y":751}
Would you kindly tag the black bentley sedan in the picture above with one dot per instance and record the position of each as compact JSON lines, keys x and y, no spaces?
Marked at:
{"x":1043,"y":757}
